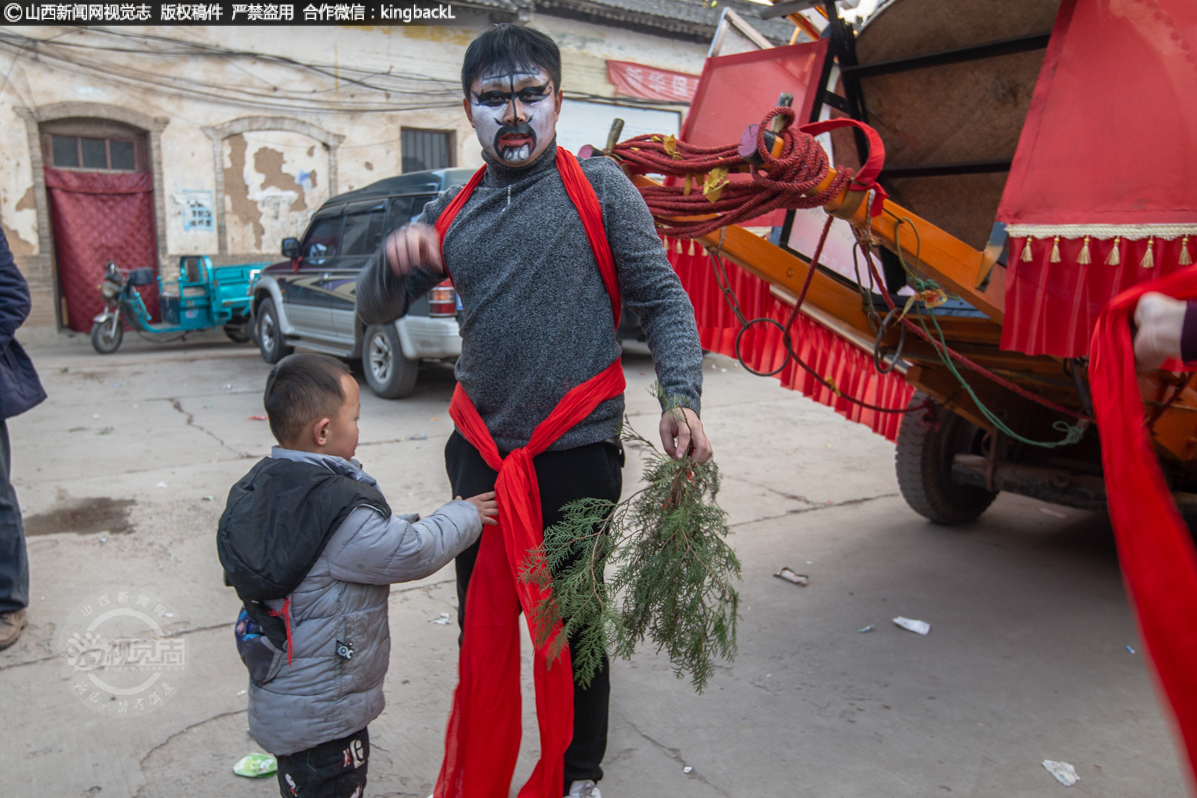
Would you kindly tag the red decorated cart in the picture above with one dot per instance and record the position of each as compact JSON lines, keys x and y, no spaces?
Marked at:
{"x":1028,"y":161}
{"x":1000,"y":171}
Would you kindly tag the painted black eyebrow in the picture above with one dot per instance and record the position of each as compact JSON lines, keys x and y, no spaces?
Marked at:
{"x":496,"y":94}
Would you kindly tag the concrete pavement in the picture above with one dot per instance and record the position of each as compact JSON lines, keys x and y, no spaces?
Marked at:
{"x":122,"y":475}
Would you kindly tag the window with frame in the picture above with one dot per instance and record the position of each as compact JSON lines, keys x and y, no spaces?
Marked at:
{"x":323,"y":239}
{"x":426,"y":149}
{"x":82,"y":152}
{"x":363,"y":228}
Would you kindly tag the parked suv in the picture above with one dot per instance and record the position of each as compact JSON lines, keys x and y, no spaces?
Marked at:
{"x":309,"y":300}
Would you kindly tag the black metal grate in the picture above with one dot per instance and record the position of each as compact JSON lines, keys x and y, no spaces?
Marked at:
{"x":426,"y":149}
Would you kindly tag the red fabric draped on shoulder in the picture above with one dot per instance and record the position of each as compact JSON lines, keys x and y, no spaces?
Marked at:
{"x":1159,"y":561}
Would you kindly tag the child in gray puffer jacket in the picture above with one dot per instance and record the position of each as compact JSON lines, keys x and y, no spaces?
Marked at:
{"x":312,"y":548}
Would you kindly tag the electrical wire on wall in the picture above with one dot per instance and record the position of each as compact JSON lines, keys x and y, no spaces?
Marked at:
{"x":113,"y":55}
{"x":120,"y":65}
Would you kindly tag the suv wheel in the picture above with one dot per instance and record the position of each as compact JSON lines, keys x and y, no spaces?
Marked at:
{"x":388,"y":373}
{"x":270,"y":336}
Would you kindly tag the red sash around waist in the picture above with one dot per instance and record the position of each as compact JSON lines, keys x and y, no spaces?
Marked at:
{"x":483,"y":738}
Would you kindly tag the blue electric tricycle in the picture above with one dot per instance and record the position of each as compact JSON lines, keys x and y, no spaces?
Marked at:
{"x":199,"y":297}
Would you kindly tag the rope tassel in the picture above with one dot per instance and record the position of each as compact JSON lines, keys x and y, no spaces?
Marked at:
{"x":1055,"y":256}
{"x":1148,"y":261}
{"x":1115,"y":258}
{"x":1084,"y":258}
{"x":1185,"y":260}
{"x":1026,"y":251}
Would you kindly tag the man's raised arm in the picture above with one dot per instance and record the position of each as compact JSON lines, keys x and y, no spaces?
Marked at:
{"x":404,"y":268}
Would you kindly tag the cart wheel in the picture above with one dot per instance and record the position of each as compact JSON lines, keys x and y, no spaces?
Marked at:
{"x":924,"y":454}
{"x":270,"y":336}
{"x":106,"y":336}
{"x":388,"y":373}
{"x":238,"y":333}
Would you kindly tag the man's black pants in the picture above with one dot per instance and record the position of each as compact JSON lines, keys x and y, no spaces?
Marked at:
{"x":593,"y":471}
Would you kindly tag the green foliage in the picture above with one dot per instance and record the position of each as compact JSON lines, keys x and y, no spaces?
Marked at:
{"x":672,"y":571}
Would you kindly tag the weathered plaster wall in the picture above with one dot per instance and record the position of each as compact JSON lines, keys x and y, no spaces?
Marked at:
{"x":266,"y":170}
{"x":273,"y":182}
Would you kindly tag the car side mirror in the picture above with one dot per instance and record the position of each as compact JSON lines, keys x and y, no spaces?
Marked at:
{"x":290,"y":247}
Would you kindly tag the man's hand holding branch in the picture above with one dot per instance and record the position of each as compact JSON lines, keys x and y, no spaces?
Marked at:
{"x":682,"y":434}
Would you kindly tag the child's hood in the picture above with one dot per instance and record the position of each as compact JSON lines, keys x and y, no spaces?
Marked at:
{"x":279,"y":518}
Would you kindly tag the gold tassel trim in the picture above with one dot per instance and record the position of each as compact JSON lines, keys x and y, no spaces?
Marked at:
{"x":1115,"y":257}
{"x":1185,"y":260}
{"x":1148,"y":261}
{"x":690,"y":250}
{"x":1084,"y":258}
{"x":1055,"y":256}
{"x":1026,"y":251}
{"x":679,"y":246}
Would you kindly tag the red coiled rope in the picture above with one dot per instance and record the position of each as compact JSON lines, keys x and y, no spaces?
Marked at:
{"x":780,"y":182}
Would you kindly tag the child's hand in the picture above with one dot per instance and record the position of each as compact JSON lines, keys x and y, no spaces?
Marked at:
{"x":488,"y":508}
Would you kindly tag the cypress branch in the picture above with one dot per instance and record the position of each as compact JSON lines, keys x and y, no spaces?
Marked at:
{"x":672,"y":571}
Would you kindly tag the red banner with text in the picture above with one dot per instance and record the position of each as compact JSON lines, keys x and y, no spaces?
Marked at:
{"x":650,"y":83}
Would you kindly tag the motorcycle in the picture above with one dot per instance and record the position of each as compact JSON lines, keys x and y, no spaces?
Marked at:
{"x":201,"y":297}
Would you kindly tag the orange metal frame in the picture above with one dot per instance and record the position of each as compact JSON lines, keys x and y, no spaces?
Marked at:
{"x":941,"y":257}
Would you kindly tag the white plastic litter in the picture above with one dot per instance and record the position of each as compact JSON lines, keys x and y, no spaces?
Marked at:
{"x":1064,"y":772}
{"x":444,"y":620}
{"x":918,"y":627}
{"x":687,"y":769}
{"x":802,"y":580}
{"x":160,"y":485}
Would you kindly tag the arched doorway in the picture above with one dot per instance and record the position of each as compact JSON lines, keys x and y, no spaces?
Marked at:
{"x":100,"y":197}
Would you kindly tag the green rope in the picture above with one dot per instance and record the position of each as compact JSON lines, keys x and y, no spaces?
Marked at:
{"x":1072,"y":433}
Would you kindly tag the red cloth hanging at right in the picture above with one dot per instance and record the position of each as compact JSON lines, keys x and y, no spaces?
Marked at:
{"x":1159,"y":560}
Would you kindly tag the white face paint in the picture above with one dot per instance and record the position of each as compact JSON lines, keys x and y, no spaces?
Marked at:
{"x":514,"y":112}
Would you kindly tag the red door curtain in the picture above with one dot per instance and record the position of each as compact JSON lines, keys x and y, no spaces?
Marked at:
{"x":98,"y":217}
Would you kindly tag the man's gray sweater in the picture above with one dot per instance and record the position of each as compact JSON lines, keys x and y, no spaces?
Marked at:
{"x":537,"y":317}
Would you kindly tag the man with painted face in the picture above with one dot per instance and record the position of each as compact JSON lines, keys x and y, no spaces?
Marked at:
{"x":543,"y":250}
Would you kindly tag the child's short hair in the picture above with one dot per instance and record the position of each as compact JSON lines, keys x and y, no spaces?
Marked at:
{"x":300,"y":389}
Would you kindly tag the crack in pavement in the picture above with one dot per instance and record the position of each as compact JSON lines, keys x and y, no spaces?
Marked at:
{"x":194,"y":630}
{"x":818,"y":507}
{"x":402,"y":440}
{"x":791,"y":496}
{"x":60,"y":655}
{"x":177,"y":404}
{"x":23,"y":663}
{"x":676,"y":755}
{"x":141,"y":762}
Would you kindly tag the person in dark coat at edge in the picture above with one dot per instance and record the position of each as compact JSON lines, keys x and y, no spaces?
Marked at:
{"x":20,"y":389}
